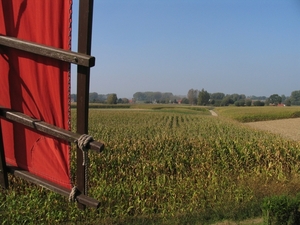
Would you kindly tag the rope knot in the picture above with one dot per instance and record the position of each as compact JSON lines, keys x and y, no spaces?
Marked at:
{"x":73,"y":194}
{"x":82,"y":143}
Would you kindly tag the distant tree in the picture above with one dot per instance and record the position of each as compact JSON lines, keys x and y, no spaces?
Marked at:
{"x":217,"y":102}
{"x":167,"y":96}
{"x":248,"y":102}
{"x":288,"y":102}
{"x":258,"y":103}
{"x":150,"y":96}
{"x":125,"y":100}
{"x":184,"y":101}
{"x":253,"y":97}
{"x":240,"y":102}
{"x":275,"y":99}
{"x":102,"y":98}
{"x":226,"y":101}
{"x":236,"y":97}
{"x":283,"y":98}
{"x":74,"y":97}
{"x":192,"y":96}
{"x":139,"y":96}
{"x":217,"y":96}
{"x":112,"y":99}
{"x":295,"y":97}
{"x":157,"y":96}
{"x":237,"y":103}
{"x":120,"y":101}
{"x":93,"y":97}
{"x":203,"y":97}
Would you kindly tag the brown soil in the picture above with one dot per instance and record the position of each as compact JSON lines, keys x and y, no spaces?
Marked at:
{"x":287,"y":128}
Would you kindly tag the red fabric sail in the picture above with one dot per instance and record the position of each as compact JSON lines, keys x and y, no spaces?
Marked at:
{"x":36,"y":85}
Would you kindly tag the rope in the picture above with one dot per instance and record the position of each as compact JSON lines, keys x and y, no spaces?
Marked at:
{"x":82,"y":143}
{"x":72,"y":196}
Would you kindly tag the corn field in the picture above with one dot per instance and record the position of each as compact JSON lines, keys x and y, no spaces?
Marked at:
{"x":176,"y":163}
{"x":166,"y":166}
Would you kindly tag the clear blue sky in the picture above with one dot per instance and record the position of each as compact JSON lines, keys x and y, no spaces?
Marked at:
{"x":249,"y":47}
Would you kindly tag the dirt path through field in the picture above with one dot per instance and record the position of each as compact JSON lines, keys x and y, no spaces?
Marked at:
{"x":288,"y":128}
{"x":213,"y":113}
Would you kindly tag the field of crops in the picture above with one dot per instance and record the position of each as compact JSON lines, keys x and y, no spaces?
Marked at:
{"x":168,"y":166}
{"x":252,"y":114}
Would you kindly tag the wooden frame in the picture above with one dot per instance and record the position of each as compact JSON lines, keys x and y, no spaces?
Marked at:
{"x":84,"y":61}
{"x":83,"y":85}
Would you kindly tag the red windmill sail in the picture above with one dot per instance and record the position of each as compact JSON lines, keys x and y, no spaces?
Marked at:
{"x":36,"y":86}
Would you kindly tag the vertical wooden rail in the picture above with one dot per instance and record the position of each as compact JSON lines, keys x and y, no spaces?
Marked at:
{"x":83,"y":83}
{"x":3,"y":170}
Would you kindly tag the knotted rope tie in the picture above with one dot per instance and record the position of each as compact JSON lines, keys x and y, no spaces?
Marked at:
{"x":82,"y":143}
{"x":72,"y":196}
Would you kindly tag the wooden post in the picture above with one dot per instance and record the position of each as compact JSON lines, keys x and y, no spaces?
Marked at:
{"x":3,"y":170}
{"x":83,"y":83}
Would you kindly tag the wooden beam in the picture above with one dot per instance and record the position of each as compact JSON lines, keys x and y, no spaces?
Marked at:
{"x":83,"y":199}
{"x":51,"y":52}
{"x":83,"y":85}
{"x":46,"y":128}
{"x":3,"y":170}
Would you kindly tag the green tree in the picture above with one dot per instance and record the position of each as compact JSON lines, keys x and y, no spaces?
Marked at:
{"x":283,"y":98}
{"x":192,"y":96}
{"x":240,"y":102}
{"x":275,"y":99}
{"x":112,"y":99}
{"x":248,"y":102}
{"x":93,"y":97}
{"x":74,"y":97}
{"x":237,"y":103}
{"x":217,"y":96}
{"x":184,"y":101}
{"x":120,"y":101}
{"x":288,"y":102}
{"x":258,"y":103}
{"x":295,"y":97}
{"x":236,"y":97}
{"x":226,"y":101}
{"x":139,"y":96}
{"x":203,"y":97}
{"x":125,"y":100}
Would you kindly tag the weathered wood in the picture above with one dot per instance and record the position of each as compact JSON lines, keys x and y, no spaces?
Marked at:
{"x":51,"y":52}
{"x":83,"y":199}
{"x":3,"y":170}
{"x":83,"y":83}
{"x":46,"y":128}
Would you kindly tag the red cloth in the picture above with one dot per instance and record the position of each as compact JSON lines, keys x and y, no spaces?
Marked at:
{"x":36,"y":85}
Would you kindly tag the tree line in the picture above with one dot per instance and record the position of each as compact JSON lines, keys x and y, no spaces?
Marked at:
{"x":155,"y":97}
{"x":94,"y":97}
{"x":196,"y":97}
